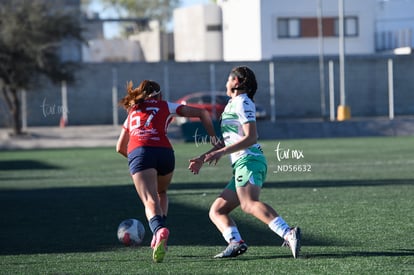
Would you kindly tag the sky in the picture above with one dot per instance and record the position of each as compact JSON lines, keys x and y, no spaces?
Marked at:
{"x":111,"y":30}
{"x":186,"y":3}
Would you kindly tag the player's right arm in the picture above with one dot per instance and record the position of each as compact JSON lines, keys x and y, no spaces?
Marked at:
{"x":197,"y":162}
{"x":122,"y":144}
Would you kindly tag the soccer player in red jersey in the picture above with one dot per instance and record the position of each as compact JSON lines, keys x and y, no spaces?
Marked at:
{"x":143,"y":140}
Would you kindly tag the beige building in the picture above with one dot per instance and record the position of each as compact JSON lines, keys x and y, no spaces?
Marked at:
{"x":198,"y":33}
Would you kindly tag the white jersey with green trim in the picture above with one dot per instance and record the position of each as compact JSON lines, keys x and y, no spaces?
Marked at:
{"x":239,"y":110}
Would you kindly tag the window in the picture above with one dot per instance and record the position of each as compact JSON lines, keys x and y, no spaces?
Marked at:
{"x":351,"y":26}
{"x":214,"y":28}
{"x":288,"y":27}
{"x":308,"y":27}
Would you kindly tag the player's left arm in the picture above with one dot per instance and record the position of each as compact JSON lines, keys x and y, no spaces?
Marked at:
{"x":249,"y":138}
{"x":203,"y":115}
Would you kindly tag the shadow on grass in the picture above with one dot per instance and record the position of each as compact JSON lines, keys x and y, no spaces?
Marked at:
{"x":82,"y":219}
{"x":347,"y":254}
{"x":303,"y":184}
{"x":25,"y":165}
{"x":60,"y":220}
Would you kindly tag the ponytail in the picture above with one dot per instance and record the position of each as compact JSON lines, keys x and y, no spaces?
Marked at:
{"x":247,"y":80}
{"x":135,"y":96}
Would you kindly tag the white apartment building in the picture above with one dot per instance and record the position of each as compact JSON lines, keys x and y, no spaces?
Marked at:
{"x":255,"y":30}
{"x":269,"y":28}
{"x":394,"y":24}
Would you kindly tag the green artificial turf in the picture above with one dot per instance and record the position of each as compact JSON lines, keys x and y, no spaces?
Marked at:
{"x":353,"y":199}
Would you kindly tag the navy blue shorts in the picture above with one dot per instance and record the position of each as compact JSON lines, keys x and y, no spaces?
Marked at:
{"x":159,"y":158}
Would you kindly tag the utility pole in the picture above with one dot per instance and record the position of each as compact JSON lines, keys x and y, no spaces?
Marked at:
{"x":343,"y":110}
{"x":321,"y":60}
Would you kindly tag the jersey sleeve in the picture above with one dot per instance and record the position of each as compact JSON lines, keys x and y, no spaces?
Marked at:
{"x":173,"y":107}
{"x":125,"y":125}
{"x":246,"y":111}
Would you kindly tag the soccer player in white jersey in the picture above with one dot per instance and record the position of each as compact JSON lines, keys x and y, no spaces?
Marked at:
{"x":238,"y":126}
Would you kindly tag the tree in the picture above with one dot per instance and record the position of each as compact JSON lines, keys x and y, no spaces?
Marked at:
{"x":31,"y":34}
{"x":160,"y":10}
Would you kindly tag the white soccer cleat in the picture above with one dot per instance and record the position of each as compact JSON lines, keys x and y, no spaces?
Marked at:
{"x":234,"y":249}
{"x":292,"y":240}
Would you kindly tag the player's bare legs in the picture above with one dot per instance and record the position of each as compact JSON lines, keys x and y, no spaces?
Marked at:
{"x":219,"y":215}
{"x":145,"y":184}
{"x":248,"y":199}
{"x":159,"y":241}
{"x":221,"y":207}
{"x":163,"y":184}
{"x":250,"y":204}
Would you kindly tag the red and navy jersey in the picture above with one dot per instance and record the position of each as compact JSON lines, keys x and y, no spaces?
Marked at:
{"x":147,"y":123}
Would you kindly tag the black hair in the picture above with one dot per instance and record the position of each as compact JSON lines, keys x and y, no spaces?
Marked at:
{"x":247,"y":80}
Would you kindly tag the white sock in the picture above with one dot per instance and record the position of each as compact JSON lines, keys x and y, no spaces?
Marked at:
{"x":231,"y":234}
{"x":279,"y":226}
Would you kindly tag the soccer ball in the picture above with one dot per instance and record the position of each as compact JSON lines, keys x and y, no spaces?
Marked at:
{"x":131,"y":232}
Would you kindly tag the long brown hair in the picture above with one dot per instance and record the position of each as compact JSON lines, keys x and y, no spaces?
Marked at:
{"x":145,"y":90}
